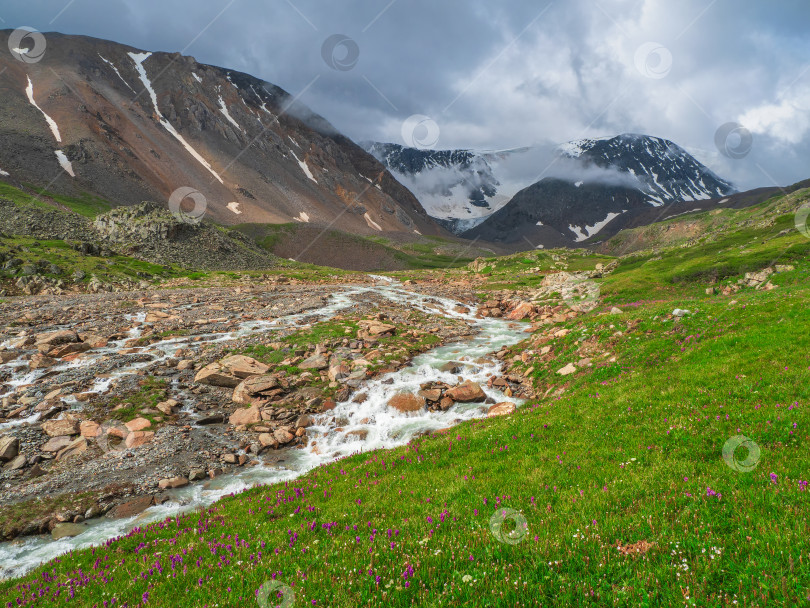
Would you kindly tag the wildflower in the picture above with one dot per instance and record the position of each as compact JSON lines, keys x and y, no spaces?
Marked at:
{"x":774,"y":478}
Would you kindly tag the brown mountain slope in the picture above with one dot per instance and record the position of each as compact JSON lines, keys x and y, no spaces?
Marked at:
{"x":254,"y":153}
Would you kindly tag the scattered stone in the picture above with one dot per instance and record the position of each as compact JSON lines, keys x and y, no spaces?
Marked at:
{"x":568,"y":369}
{"x":615,"y":311}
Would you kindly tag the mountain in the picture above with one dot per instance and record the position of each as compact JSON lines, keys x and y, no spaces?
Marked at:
{"x":458,"y":188}
{"x":607,"y":182}
{"x":100,"y":118}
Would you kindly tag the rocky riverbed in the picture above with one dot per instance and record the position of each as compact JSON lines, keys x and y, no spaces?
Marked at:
{"x":112,"y":402}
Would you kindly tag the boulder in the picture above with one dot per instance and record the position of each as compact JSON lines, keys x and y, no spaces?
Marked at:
{"x":521,"y":311}
{"x":167,"y":407}
{"x":267,"y":440}
{"x":55,"y":444}
{"x":54,"y":338}
{"x":431,"y":394}
{"x":406,"y":402}
{"x":55,"y":428}
{"x":172,"y":482}
{"x":74,"y":448}
{"x":244,"y":367}
{"x":40,"y":361}
{"x":139,"y":438}
{"x":615,"y":311}
{"x":316,"y":362}
{"x":374,"y":329}
{"x":131,"y":507}
{"x":67,"y":349}
{"x":501,"y":409}
{"x":138,"y":424}
{"x":568,"y":369}
{"x":17,"y":463}
{"x":466,"y":392}
{"x":9,"y":448}
{"x":8,"y":355}
{"x":283,"y":436}
{"x":255,"y":390}
{"x":215,"y":374}
{"x":67,"y":530}
{"x":249,"y":415}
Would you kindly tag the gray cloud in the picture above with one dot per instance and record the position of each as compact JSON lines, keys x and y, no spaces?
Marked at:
{"x":500,"y":75}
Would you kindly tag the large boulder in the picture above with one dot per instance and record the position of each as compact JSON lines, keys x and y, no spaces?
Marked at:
{"x":138,"y":424}
{"x":56,"y":444}
{"x":244,"y":367}
{"x":467,"y":392}
{"x":249,"y":415}
{"x":172,"y":482}
{"x":256,"y":390}
{"x":215,"y":374}
{"x":40,"y":361}
{"x":283,"y":436}
{"x":9,"y":448}
{"x":74,"y":448}
{"x":521,"y":311}
{"x":406,"y":402}
{"x":54,"y":338}
{"x":139,"y":438}
{"x":67,"y":530}
{"x":316,"y":362}
{"x":55,"y":428}
{"x":131,"y":507}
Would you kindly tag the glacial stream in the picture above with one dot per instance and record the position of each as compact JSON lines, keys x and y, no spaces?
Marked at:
{"x":362,"y":427}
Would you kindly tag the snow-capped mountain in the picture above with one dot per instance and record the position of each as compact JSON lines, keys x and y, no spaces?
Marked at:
{"x":600,"y":186}
{"x":101,"y":118}
{"x":665,"y":172}
{"x":458,"y":188}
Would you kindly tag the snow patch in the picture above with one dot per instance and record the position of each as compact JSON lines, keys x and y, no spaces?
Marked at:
{"x":63,"y":160}
{"x":4,"y":173}
{"x":417,"y":232}
{"x":197,"y":78}
{"x":304,"y":168}
{"x":725,"y":200}
{"x":302,"y":217}
{"x":589,"y":231}
{"x":139,"y":58}
{"x":224,"y":109}
{"x":112,"y":65}
{"x":371,"y":223}
{"x":29,"y":90}
{"x":539,"y":224}
{"x":578,"y":184}
{"x":234,"y":206}
{"x":293,"y":141}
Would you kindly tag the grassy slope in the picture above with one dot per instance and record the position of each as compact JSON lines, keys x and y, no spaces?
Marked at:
{"x":87,"y":205}
{"x":426,"y":252}
{"x":630,"y":451}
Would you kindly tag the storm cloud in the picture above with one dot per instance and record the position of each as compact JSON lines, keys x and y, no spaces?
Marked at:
{"x":503,"y":75}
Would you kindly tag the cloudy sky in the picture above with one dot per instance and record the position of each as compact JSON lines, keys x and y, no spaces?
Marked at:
{"x":494,"y":75}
